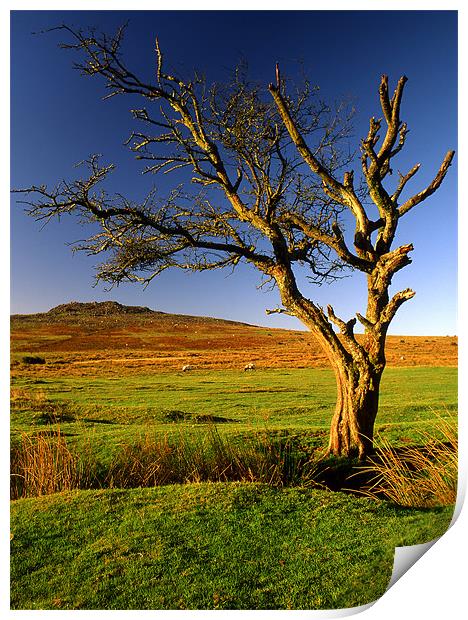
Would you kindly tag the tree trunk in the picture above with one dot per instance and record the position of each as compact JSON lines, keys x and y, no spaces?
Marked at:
{"x":352,"y":427}
{"x":358,"y":368}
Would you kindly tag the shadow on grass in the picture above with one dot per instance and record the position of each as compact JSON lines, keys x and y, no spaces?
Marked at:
{"x":200,"y":418}
{"x":95,"y":421}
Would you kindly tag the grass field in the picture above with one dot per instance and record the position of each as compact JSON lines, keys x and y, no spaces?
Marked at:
{"x":208,"y":546}
{"x":113,"y":409}
{"x":110,"y":388}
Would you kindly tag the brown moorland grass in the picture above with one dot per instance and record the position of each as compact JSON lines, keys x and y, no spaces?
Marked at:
{"x":79,"y":342}
{"x":418,"y":476}
{"x":44,"y":463}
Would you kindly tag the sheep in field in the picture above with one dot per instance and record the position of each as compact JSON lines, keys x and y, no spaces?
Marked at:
{"x":249,"y":366}
{"x":186,"y":368}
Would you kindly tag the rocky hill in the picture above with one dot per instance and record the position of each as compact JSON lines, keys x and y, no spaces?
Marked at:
{"x":93,"y":313}
{"x":99,"y":308}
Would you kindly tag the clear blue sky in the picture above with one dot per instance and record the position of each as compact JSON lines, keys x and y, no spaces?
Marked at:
{"x":58,"y":119}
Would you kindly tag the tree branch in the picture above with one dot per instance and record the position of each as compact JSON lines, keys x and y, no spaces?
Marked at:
{"x":403,"y":181}
{"x":347,"y":332}
{"x":369,"y":325}
{"x":391,"y":308}
{"x":279,"y":311}
{"x":431,"y":188}
{"x":345,"y":194}
{"x":335,"y":242}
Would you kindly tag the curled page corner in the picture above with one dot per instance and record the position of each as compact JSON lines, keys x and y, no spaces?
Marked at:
{"x":406,"y":557}
{"x":351,"y":611}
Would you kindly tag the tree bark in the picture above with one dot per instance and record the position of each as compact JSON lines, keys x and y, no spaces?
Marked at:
{"x":358,"y":369}
{"x":352,"y":427}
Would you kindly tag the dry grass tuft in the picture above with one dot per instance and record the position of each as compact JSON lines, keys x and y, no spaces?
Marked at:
{"x":157,"y":461}
{"x":44,"y":464}
{"x":421,"y":476}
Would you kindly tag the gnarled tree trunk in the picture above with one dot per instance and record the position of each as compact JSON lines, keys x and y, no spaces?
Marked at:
{"x":352,"y":427}
{"x":358,"y":365}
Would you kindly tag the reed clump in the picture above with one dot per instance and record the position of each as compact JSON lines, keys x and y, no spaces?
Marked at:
{"x":419,"y":476}
{"x":152,"y":461}
{"x":44,"y":463}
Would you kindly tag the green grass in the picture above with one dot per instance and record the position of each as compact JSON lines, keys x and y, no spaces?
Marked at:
{"x":208,"y":546}
{"x":113,"y":410}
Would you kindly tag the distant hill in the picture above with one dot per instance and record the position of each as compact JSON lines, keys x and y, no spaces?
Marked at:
{"x":78,"y":311}
{"x":94,"y":337}
{"x":99,"y":308}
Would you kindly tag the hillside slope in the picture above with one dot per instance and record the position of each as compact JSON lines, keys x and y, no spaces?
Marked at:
{"x":81,"y":335}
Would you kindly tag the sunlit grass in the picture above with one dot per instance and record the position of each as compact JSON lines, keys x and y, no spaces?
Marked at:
{"x":421,"y":475}
{"x":208,"y":546}
{"x":243,"y":527}
{"x":291,"y":401}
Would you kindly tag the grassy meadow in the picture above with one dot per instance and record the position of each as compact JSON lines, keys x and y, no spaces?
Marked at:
{"x":138,"y":486}
{"x":292,"y":401}
{"x":208,"y":546}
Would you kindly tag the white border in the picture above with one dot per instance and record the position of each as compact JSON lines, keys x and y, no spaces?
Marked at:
{"x":435,"y":586}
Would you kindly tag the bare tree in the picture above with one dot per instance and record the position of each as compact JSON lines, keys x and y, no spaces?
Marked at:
{"x":274,"y":183}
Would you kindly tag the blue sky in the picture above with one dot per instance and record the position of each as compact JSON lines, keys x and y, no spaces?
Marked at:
{"x":58,"y":119}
